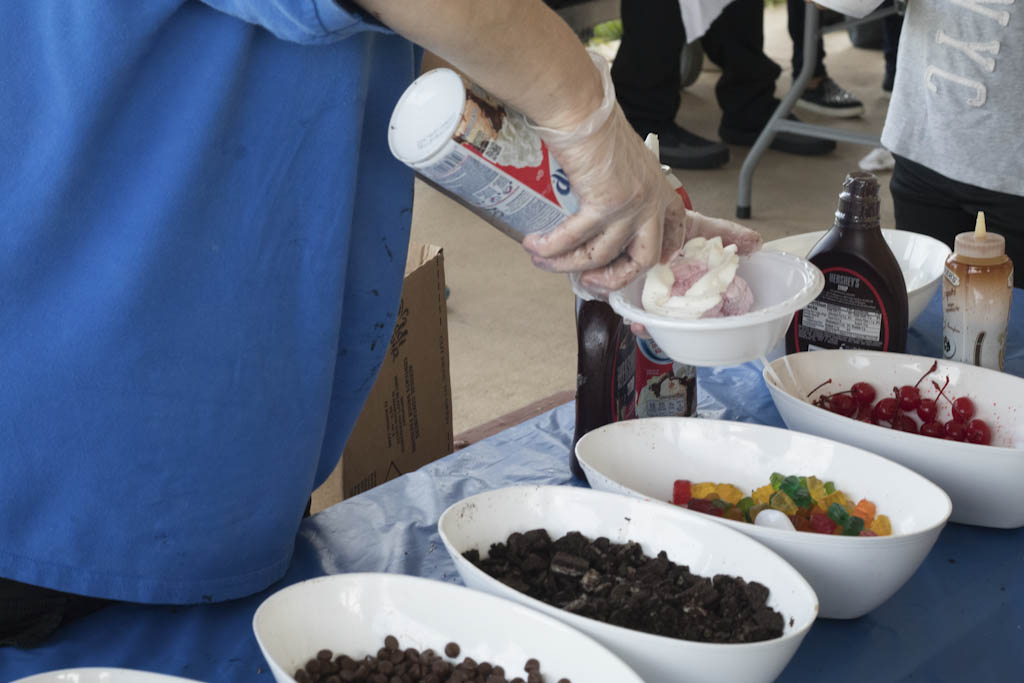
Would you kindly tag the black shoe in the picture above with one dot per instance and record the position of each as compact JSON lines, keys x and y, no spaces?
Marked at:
{"x":682,"y":149}
{"x":790,"y":143}
{"x":828,"y":99}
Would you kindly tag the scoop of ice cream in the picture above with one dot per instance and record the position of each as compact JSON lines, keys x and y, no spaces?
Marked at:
{"x":699,"y":282}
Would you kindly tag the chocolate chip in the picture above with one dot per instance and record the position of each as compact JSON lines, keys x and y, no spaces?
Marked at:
{"x":394,"y":665}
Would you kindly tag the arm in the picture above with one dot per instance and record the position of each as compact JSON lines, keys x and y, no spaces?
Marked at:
{"x":523,"y":53}
{"x":518,"y":50}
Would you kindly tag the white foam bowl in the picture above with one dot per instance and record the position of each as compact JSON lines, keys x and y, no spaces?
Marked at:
{"x":921,"y":260}
{"x":353,"y":613}
{"x":851,"y":575}
{"x":781,"y":283}
{"x":102,"y":675}
{"x":706,"y":547}
{"x":982,"y":481}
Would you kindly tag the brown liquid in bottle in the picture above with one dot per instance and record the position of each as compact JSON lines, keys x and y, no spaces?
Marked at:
{"x":864,"y":302}
{"x":620,"y":376}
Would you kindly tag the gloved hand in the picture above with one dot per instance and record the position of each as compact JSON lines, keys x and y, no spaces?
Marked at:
{"x":617,"y":234}
{"x":629,"y":217}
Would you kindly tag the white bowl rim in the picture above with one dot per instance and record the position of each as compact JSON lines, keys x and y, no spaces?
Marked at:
{"x":799,"y":300}
{"x":797,"y":631}
{"x":153,"y":676}
{"x":800,"y":538}
{"x":994,"y":451}
{"x":422,"y":581}
{"x":772,"y":246}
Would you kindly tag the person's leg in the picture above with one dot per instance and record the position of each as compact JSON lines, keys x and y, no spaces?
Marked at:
{"x":823,"y":95}
{"x":891,"y":27}
{"x":646,"y":67}
{"x":795,"y":23}
{"x":647,"y":83}
{"x":746,"y":88}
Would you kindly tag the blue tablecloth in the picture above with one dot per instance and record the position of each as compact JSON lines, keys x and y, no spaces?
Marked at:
{"x":960,"y":617}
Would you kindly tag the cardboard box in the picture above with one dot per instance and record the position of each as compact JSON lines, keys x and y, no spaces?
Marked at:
{"x":407,"y":419}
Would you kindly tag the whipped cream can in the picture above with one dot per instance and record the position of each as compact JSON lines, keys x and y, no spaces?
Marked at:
{"x":471,"y":147}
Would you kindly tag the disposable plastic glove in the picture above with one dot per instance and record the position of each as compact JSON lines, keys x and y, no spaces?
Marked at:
{"x":629,"y":217}
{"x":617,"y":234}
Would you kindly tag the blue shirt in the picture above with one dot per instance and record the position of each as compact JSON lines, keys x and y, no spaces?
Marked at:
{"x":202,"y":239}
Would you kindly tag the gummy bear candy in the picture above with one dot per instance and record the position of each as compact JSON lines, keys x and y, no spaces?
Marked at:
{"x":681,"y":491}
{"x":853,"y":526}
{"x":782,"y":502}
{"x":865,"y":510}
{"x":763,"y":495}
{"x":829,"y":487}
{"x":881,"y":525}
{"x":776,"y":480}
{"x":816,"y":488}
{"x":734,"y":513}
{"x":821,"y":523}
{"x":702,"y":489}
{"x":729,"y":493}
{"x":838,"y":514}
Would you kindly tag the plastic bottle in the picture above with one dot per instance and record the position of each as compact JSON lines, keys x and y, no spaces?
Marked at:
{"x":976,"y":293}
{"x":864,"y":303}
{"x":620,"y":376}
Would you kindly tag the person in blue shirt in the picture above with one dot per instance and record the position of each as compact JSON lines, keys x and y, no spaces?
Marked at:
{"x":202,"y":241}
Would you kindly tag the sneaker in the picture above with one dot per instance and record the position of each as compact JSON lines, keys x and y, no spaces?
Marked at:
{"x":829,"y":99}
{"x":682,"y":149}
{"x":790,"y":143}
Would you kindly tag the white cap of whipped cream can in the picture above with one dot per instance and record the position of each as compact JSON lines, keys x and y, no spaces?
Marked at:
{"x":473,"y":148}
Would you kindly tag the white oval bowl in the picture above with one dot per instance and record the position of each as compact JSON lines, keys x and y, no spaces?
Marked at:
{"x":706,"y":547}
{"x":102,"y":675}
{"x":353,"y":613}
{"x":982,"y":481}
{"x":921,"y":258}
{"x":643,"y":457}
{"x":781,"y":283}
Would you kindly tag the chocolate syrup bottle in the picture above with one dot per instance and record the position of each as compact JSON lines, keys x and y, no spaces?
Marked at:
{"x":864,"y":302}
{"x":620,"y":376}
{"x":603,"y":393}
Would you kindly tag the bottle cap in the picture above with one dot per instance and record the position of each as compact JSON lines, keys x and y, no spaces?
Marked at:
{"x":980,"y":243}
{"x":858,"y":201}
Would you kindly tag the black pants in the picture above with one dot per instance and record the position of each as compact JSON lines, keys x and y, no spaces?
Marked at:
{"x":795,"y":10}
{"x":927,"y":202}
{"x":30,"y":614}
{"x":646,"y":68}
{"x":891,"y":26}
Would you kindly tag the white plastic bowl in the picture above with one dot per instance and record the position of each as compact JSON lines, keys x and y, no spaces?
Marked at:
{"x":781,"y":283}
{"x":982,"y":481}
{"x":706,"y":547}
{"x":353,"y":613}
{"x":921,"y":258}
{"x":102,"y":675}
{"x":851,"y":575}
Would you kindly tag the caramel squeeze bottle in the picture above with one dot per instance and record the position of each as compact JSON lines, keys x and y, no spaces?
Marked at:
{"x":977,"y":289}
{"x":864,"y":302}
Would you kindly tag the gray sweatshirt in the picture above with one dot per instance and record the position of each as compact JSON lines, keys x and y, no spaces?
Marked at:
{"x":958,"y":100}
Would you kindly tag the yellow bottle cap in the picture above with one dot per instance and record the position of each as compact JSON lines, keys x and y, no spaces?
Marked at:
{"x":980,"y":243}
